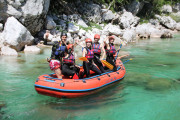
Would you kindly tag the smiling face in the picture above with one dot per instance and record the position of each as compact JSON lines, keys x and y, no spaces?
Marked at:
{"x":88,"y":44}
{"x":63,"y":38}
{"x":111,"y":40}
{"x":96,"y":40}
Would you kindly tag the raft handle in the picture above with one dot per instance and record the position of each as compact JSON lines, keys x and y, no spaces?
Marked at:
{"x":62,"y":84}
{"x":84,"y":81}
{"x":98,"y":78}
{"x":117,"y":72}
{"x":108,"y":75}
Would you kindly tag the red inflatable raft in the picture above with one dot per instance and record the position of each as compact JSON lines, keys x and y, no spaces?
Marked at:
{"x":49,"y":85}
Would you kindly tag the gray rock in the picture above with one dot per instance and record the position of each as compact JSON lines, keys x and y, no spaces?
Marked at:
{"x":135,"y":7}
{"x":178,"y":26}
{"x":50,"y":24}
{"x":31,"y":13}
{"x":127,"y":20}
{"x":112,"y":29}
{"x":167,"y":21}
{"x":72,"y":28}
{"x":82,"y":23}
{"x":73,"y":18}
{"x":1,"y":27}
{"x":166,"y":33}
{"x":129,"y":35}
{"x":176,"y":7}
{"x":81,"y":32}
{"x":32,"y":49}
{"x":16,"y":35}
{"x":7,"y":51}
{"x":154,"y":21}
{"x":96,"y":31}
{"x":166,"y":9}
{"x":108,"y":15}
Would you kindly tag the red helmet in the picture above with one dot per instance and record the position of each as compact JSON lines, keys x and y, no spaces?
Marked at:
{"x":96,"y":36}
{"x":70,"y":46}
{"x":88,"y":40}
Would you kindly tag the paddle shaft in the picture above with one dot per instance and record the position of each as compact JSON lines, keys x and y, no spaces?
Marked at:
{"x":118,"y":52}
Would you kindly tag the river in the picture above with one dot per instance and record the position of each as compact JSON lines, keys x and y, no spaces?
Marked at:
{"x":149,"y":91}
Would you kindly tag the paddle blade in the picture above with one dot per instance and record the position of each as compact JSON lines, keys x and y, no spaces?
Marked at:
{"x":83,"y":58}
{"x":107,"y":64}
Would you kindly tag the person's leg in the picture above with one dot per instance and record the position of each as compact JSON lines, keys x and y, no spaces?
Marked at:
{"x":67,"y":71}
{"x":98,"y":63}
{"x":110,"y":59}
{"x":58,"y":73}
{"x":95,"y":69}
{"x":86,"y":69}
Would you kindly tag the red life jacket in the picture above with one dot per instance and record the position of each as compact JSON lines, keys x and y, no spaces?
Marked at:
{"x":69,"y":59}
{"x":96,"y":48}
{"x":90,"y":54}
{"x":112,"y":50}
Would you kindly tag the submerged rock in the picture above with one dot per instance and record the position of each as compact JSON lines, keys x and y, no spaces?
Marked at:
{"x":32,"y":49}
{"x":137,"y":78}
{"x":158,"y":84}
{"x":5,"y":50}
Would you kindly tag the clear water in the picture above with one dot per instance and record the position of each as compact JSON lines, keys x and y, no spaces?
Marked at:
{"x":150,"y":90}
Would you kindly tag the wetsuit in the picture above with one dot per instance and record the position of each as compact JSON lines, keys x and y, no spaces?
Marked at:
{"x":96,"y":48}
{"x":110,"y":56}
{"x":89,"y":65}
{"x":68,"y":67}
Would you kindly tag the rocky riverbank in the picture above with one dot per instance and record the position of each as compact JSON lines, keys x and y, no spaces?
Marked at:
{"x":25,"y":23}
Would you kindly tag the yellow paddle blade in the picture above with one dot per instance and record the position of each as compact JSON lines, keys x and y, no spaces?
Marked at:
{"x":107,"y":64}
{"x":83,"y":58}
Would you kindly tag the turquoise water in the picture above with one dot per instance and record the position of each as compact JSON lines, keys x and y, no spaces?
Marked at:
{"x":150,"y":90}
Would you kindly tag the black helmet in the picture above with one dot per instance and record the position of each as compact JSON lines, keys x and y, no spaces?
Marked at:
{"x":63,"y":34}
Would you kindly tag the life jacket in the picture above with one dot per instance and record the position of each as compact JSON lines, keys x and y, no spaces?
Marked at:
{"x":69,"y":60}
{"x":60,"y":49}
{"x":112,"y":50}
{"x":96,"y":48}
{"x":90,"y":54}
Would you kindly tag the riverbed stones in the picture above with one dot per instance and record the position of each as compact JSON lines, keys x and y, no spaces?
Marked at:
{"x":111,"y":29}
{"x":73,"y":28}
{"x":31,"y":49}
{"x":7,"y":51}
{"x":82,"y":23}
{"x":158,"y":84}
{"x":129,"y":35}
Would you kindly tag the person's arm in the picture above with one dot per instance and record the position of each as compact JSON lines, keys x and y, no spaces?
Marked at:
{"x":103,"y":51}
{"x":84,"y":53}
{"x":123,"y":56}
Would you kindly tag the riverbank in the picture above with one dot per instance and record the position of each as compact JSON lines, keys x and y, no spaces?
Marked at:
{"x":87,"y":19}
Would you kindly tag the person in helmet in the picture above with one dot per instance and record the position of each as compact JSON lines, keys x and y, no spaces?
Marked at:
{"x":59,"y":47}
{"x":111,"y":52}
{"x":69,"y":68}
{"x":89,"y":54}
{"x":97,"y":48}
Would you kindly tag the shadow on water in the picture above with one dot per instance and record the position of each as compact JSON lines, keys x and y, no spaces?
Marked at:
{"x":2,"y":104}
{"x":110,"y":95}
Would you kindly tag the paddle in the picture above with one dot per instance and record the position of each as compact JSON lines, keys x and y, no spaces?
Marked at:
{"x":127,"y":60}
{"x":118,"y":51}
{"x":107,"y":64}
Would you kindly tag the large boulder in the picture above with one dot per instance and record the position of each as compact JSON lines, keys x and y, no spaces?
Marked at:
{"x":167,"y":21}
{"x":112,"y":29}
{"x":127,"y":20}
{"x":108,"y":15}
{"x":5,"y":50}
{"x":135,"y":7}
{"x":50,"y":24}
{"x":90,"y":11}
{"x":166,"y":9}
{"x":16,"y":35}
{"x":31,"y":13}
